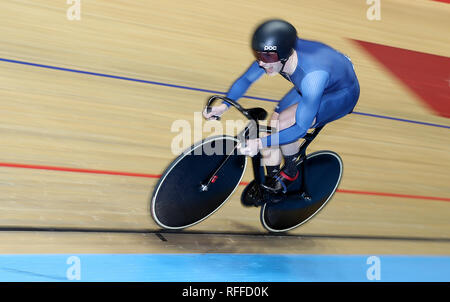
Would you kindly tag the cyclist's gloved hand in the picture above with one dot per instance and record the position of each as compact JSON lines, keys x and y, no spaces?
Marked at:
{"x":215,"y":111}
{"x":251,"y":147}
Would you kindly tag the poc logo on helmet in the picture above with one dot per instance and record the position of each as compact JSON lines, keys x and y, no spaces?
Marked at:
{"x":268,"y":47}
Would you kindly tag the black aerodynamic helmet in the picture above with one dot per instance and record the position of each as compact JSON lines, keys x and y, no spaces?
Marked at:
{"x":273,"y":41}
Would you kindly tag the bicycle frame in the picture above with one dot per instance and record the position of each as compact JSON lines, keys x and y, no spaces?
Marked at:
{"x":253,"y":115}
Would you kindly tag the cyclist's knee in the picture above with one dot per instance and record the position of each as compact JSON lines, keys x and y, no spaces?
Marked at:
{"x":287,"y":117}
{"x":273,"y":123}
{"x":274,"y":119}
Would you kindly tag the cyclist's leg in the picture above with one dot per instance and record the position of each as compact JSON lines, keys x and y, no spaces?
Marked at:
{"x":272,"y":155}
{"x":289,"y":152}
{"x":336,"y":105}
{"x":332,"y":107}
{"x":288,"y":108}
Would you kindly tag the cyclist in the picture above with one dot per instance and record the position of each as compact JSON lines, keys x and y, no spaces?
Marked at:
{"x":325,"y":89}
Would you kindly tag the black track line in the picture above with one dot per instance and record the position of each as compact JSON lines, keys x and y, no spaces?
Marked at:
{"x":160,"y":233}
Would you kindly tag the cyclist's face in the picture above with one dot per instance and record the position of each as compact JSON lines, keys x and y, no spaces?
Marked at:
{"x":271,"y":68}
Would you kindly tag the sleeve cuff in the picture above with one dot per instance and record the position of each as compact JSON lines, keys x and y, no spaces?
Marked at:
{"x":265,"y":141}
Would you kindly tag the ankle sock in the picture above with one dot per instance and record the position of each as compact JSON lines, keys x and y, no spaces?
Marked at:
{"x":272,"y":170}
{"x":290,"y":164}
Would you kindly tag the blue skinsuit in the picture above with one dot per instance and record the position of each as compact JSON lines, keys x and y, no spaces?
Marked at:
{"x":325,"y":88}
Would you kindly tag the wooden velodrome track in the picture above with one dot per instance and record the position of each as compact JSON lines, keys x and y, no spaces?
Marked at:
{"x":59,"y":118}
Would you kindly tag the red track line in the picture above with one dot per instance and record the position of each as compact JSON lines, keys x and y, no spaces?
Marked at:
{"x":65,"y":169}
{"x":393,"y":195}
{"x":105,"y":172}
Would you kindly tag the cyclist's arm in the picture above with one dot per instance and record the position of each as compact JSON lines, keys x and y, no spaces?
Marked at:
{"x":241,"y":85}
{"x":312,"y":88}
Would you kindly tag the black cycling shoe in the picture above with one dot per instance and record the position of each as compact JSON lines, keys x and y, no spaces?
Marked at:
{"x":280,"y":182}
{"x":252,"y":196}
